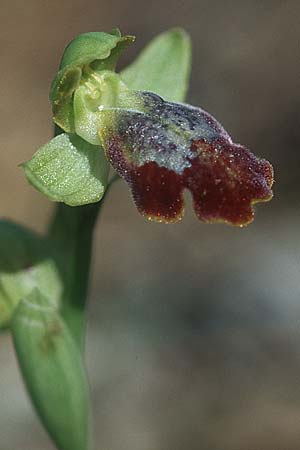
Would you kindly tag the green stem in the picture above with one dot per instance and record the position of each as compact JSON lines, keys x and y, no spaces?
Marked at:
{"x":71,"y":232}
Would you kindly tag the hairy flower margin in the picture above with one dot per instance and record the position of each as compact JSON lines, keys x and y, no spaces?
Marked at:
{"x":160,"y":148}
{"x":171,"y":147}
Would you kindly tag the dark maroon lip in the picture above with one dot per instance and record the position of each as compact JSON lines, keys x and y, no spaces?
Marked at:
{"x":161,"y":154}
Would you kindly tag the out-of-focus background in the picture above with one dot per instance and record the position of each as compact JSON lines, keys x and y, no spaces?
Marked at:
{"x":194,"y":330}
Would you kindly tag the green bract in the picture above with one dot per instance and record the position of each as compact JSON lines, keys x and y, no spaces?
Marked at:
{"x":52,"y":368}
{"x":25,"y":263}
{"x":70,"y":170}
{"x":88,"y":52}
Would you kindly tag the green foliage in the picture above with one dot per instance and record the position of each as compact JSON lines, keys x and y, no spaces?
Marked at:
{"x":26,"y":263}
{"x":69,"y":170}
{"x":163,"y":67}
{"x":53,"y":371}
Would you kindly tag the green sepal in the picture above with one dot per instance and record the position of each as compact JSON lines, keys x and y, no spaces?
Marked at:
{"x":96,"y":51}
{"x":53,"y":371}
{"x":26,"y":262}
{"x":62,"y":90}
{"x":163,"y":67}
{"x":70,"y":170}
{"x":88,"y":47}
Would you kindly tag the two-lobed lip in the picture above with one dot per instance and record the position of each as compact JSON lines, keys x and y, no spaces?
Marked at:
{"x":172,"y":147}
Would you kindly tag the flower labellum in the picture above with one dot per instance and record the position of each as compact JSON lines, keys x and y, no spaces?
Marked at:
{"x":162,"y":148}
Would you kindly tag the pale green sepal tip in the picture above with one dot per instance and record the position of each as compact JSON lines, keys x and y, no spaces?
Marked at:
{"x":116,"y":31}
{"x":88,"y":47}
{"x":53,"y":371}
{"x":163,"y":67}
{"x":70,"y":170}
{"x":26,"y":262}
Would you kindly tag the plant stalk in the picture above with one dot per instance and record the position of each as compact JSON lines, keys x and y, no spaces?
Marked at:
{"x":71,"y":233}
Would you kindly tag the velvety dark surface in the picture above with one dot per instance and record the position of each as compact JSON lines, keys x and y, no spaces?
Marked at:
{"x":194,"y":330}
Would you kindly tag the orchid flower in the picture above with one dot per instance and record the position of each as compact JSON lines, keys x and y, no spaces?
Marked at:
{"x":160,"y":148}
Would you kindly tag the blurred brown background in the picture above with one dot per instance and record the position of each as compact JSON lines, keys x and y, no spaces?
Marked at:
{"x":194,"y":330}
